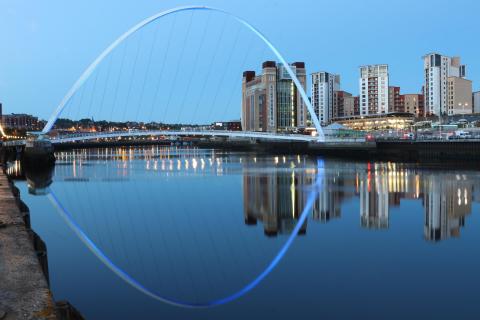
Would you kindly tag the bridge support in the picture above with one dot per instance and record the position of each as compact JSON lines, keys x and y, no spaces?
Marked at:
{"x":38,"y":152}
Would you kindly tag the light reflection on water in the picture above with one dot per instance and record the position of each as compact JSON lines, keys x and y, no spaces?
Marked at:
{"x":198,"y":224}
{"x":274,"y":198}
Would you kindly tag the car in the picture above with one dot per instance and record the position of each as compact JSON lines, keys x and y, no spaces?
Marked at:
{"x":409,"y":136}
{"x":462,"y":134}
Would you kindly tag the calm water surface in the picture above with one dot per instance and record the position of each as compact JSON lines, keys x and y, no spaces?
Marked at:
{"x":382,"y":240}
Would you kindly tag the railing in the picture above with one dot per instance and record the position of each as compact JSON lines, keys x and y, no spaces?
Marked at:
{"x":428,"y":138}
{"x":14,"y":143}
{"x":74,"y":137}
{"x":213,"y":133}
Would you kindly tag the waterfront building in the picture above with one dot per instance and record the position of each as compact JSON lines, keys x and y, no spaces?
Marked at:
{"x":343,"y":104}
{"x":356,"y":106}
{"x":19,"y":121}
{"x":373,"y":85}
{"x":476,"y":102}
{"x":234,"y":125}
{"x":271,"y":101}
{"x":459,"y":96}
{"x":437,"y":70}
{"x":394,"y":121}
{"x":395,"y":100}
{"x":414,"y":104}
{"x":323,"y":89}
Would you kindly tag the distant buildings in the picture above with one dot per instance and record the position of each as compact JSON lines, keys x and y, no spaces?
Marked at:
{"x":459,"y":93}
{"x":414,"y":104}
{"x":476,"y":102}
{"x":356,"y":105}
{"x":19,"y":121}
{"x":234,"y":125}
{"x":395,"y":100}
{"x":323,"y":88}
{"x":373,"y":88}
{"x":391,"y":121}
{"x":343,"y":104}
{"x":271,"y":101}
{"x":328,"y":101}
{"x":437,"y":71}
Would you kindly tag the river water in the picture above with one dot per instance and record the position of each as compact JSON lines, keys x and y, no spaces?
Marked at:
{"x":131,"y":232}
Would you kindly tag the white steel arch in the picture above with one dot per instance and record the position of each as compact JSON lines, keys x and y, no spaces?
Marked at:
{"x":87,"y":73}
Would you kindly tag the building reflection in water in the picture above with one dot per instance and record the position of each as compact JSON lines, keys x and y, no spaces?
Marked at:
{"x":374,"y":197}
{"x":448,"y":200}
{"x":275,"y":188}
{"x":275,"y":197}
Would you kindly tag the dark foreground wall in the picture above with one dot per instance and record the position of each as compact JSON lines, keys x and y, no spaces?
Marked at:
{"x":434,"y":151}
{"x":456,"y":150}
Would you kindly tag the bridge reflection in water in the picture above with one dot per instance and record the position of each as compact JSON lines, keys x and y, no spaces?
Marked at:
{"x":276,"y":195}
{"x":198,"y":224}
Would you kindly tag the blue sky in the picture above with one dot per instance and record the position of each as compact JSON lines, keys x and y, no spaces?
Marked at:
{"x":46,"y":45}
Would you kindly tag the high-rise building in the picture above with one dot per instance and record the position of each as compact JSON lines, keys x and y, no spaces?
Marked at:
{"x":343,"y":104}
{"x":437,"y":70}
{"x":373,"y":85}
{"x":395,"y":100}
{"x":323,"y":89}
{"x":271,"y":101}
{"x":459,"y":93}
{"x":413,"y":103}
{"x":476,"y":102}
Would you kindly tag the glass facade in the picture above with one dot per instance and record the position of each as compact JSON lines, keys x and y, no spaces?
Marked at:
{"x":286,"y":102}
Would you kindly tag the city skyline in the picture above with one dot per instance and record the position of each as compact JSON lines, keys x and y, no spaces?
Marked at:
{"x":331,"y":86}
{"x":239,"y":159}
{"x":60,"y":58}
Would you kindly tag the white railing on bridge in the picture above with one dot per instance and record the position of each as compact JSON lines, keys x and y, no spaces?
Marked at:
{"x":212,"y":133}
{"x":14,"y":143}
{"x":85,"y":136}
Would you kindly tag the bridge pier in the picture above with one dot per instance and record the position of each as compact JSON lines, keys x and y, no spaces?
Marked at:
{"x":38,"y":153}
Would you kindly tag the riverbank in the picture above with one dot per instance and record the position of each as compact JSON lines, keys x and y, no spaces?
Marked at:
{"x":383,"y":150}
{"x":24,"y":276}
{"x":396,"y":150}
{"x":24,"y":292}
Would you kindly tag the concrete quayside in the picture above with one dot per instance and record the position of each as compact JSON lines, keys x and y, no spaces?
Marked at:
{"x":24,"y":290}
{"x":24,"y":277}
